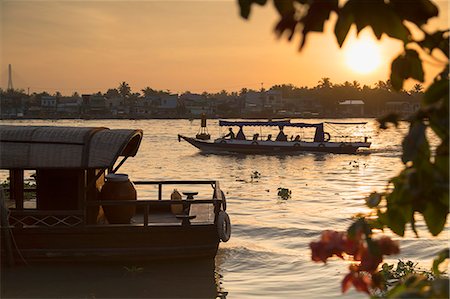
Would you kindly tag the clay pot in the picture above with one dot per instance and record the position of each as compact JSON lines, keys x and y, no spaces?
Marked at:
{"x":118,"y":187}
{"x":176,"y":209}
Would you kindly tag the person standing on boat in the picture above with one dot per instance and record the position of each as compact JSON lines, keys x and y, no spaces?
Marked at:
{"x":230,"y":134}
{"x":240,"y":135}
{"x":281,"y":136}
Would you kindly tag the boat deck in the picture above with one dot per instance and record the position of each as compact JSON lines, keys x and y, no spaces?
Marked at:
{"x":204,"y":214}
{"x":200,"y":214}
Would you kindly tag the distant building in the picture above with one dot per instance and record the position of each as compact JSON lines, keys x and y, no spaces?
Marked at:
{"x":116,"y":106}
{"x":401,"y":107}
{"x":302,"y":107}
{"x":48,"y":106}
{"x":274,"y":100}
{"x":142,"y":107}
{"x":196,"y":104}
{"x":49,"y":102}
{"x":168,"y":102}
{"x":264,"y":102}
{"x":351,"y":108}
{"x":69,"y":106}
{"x":12,"y":105}
{"x":227,"y":105}
{"x":162,"y":105}
{"x":93,"y":104}
{"x":253,"y":102}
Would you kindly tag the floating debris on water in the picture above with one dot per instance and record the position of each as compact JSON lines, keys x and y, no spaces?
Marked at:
{"x":284,"y":193}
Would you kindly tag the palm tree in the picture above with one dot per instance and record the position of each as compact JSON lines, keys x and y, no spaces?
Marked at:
{"x":356,"y":85}
{"x":324,"y":83}
{"x":384,"y":85}
{"x":124,"y":89}
{"x":147,"y":91}
{"x":112,"y":93}
{"x":417,"y":88}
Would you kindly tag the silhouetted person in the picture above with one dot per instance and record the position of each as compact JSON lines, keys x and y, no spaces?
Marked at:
{"x":230,"y":134}
{"x":255,"y":136}
{"x":281,"y":136}
{"x":240,"y":135}
{"x":297,"y":138}
{"x":269,"y":137}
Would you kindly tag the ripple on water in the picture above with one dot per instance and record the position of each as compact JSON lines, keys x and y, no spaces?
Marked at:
{"x":268,"y":254}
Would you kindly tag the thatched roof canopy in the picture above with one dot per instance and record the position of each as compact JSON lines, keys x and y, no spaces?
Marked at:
{"x":34,"y":147}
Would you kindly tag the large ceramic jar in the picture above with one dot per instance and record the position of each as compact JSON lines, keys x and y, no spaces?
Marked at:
{"x":118,"y":187}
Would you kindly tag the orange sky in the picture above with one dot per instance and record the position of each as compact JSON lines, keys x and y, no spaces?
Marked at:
{"x":198,"y":46}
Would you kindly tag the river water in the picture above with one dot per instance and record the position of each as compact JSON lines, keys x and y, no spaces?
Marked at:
{"x":268,"y":254}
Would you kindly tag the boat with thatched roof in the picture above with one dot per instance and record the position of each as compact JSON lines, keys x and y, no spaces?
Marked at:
{"x":84,"y":210}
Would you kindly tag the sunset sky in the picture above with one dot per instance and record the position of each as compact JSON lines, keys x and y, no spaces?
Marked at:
{"x":90,"y":46}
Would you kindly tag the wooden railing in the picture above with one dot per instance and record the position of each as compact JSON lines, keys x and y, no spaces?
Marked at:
{"x":20,"y":218}
{"x":147,"y":204}
{"x":31,"y":217}
{"x":214,"y":184}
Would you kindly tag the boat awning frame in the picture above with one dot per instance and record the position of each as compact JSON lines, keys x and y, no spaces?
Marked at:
{"x":345,"y":123}
{"x":225,"y":123}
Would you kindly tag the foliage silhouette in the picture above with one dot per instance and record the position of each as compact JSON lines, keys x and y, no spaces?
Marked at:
{"x":422,"y":186}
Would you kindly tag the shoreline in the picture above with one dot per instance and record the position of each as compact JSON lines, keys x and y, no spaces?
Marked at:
{"x":184,"y":118}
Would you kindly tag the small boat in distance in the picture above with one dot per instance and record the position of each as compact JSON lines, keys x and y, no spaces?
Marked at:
{"x":320,"y":142}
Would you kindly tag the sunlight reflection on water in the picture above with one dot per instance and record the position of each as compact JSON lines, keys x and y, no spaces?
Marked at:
{"x":268,"y":254}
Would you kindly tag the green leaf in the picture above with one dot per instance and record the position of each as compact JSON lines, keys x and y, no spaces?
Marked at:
{"x":287,"y":23}
{"x":359,"y":226}
{"x":444,"y":199}
{"x":435,"y":216}
{"x":392,"y":118}
{"x":318,"y":12}
{"x":376,"y":223}
{"x":392,"y":25}
{"x":439,"y":121}
{"x":413,"y":225}
{"x":437,"y":40}
{"x":343,"y":24}
{"x":441,"y":160}
{"x":418,"y":12}
{"x":245,"y":6}
{"x":284,"y":7}
{"x":379,"y":16}
{"x":436,"y":91}
{"x":407,"y":212}
{"x":442,"y":256}
{"x":408,"y":65}
{"x":373,"y":199}
{"x":415,"y":144}
{"x":396,"y":222}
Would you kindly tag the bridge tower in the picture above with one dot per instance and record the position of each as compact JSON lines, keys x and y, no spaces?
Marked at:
{"x":10,"y":83}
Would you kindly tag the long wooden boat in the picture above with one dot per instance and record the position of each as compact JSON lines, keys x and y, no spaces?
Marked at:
{"x":68,"y":220}
{"x":321,"y":142}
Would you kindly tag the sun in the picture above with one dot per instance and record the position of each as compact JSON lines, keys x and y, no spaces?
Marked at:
{"x":362,"y":55}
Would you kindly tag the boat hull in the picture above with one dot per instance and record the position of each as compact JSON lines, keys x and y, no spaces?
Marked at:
{"x":115,"y":243}
{"x":274,"y":147}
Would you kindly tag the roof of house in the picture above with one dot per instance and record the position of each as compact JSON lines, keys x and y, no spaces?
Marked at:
{"x":352,"y":102}
{"x":34,"y":147}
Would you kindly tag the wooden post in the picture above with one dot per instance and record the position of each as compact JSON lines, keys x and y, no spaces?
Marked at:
{"x":95,"y":181}
{"x":159,"y":191}
{"x":5,"y":230}
{"x":16,"y":187}
{"x":146,"y":214}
